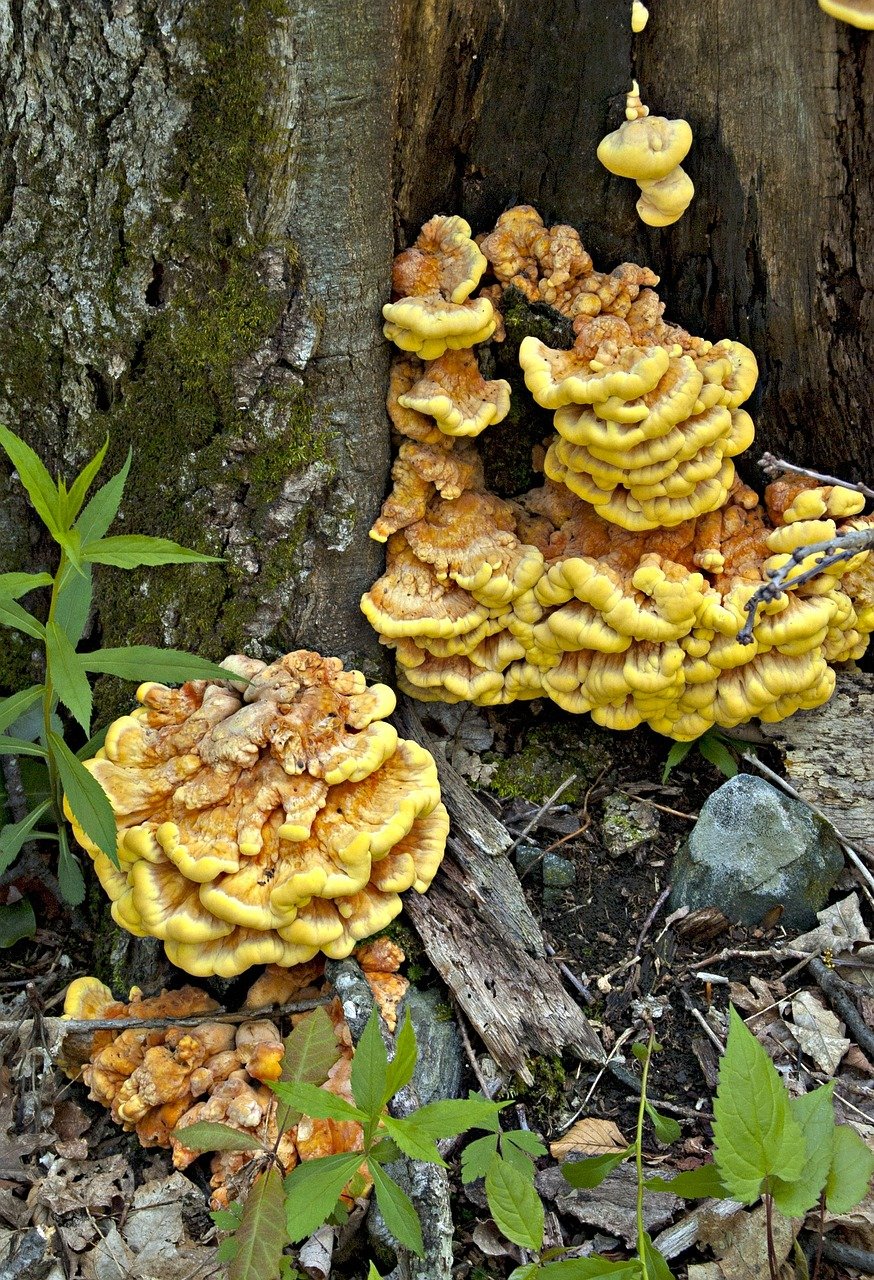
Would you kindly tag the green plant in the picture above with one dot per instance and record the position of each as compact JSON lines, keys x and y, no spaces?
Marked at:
{"x":720,"y":748}
{"x":79,"y":531}
{"x":282,"y":1209}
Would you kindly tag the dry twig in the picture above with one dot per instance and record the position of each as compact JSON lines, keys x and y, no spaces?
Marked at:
{"x":774,"y":466}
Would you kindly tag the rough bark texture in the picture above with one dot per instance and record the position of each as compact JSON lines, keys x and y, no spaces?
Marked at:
{"x":777,"y":248}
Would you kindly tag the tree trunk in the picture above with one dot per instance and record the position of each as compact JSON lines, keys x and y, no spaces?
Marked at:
{"x":196,"y":234}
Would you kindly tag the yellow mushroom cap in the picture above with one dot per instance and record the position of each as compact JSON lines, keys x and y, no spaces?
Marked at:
{"x":858,"y":13}
{"x":665,"y":200}
{"x":454,"y":393}
{"x":429,"y":326}
{"x":444,"y":260}
{"x":646,"y":149}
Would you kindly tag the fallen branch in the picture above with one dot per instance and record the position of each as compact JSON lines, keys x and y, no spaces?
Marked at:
{"x":843,"y":1005}
{"x":774,"y":466}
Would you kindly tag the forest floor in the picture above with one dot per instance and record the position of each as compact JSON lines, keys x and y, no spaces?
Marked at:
{"x":79,"y":1197}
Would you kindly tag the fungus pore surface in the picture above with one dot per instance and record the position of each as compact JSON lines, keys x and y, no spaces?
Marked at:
{"x":619,"y":586}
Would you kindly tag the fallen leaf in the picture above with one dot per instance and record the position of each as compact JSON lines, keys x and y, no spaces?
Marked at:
{"x":489,"y":1241}
{"x":590,"y":1137}
{"x":840,"y":927}
{"x":818,"y":1031}
{"x":740,"y":1242}
{"x":857,"y":1226}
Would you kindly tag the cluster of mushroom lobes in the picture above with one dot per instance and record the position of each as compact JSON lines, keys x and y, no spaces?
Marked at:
{"x":265,"y":818}
{"x":650,"y":149}
{"x":620,"y":586}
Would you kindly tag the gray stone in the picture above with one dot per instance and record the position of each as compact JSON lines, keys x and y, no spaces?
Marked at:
{"x":628,"y":825}
{"x":558,"y":873}
{"x":754,"y":848}
{"x":528,"y":858}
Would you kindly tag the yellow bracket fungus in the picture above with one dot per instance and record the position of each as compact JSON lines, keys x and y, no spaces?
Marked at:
{"x":651,"y":149}
{"x":858,"y":13}
{"x":263,"y":819}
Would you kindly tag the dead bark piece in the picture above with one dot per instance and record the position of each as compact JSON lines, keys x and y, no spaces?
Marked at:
{"x":483,"y":940}
{"x":823,"y":759}
{"x":611,"y":1207}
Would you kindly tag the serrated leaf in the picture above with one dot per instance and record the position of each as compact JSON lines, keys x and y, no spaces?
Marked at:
{"x":718,"y":754}
{"x":655,"y":1263}
{"x":369,"y":1069}
{"x":12,"y":615}
{"x":13,"y":585}
{"x":134,"y":550}
{"x":93,"y":745}
{"x":310,"y":1052}
{"x":145,"y":662}
{"x":15,"y":834}
{"x":83,"y":482}
{"x":10,"y":746}
{"x":814,"y":1113}
{"x":73,"y":604}
{"x":676,"y":755}
{"x":591,"y":1268}
{"x":17,"y":921}
{"x":477,"y":1156}
{"x":227,"y":1249}
{"x":403,"y":1064}
{"x":318,"y":1103}
{"x":312,"y":1189}
{"x":520,"y":1160}
{"x":261,"y":1234}
{"x":850,"y":1171}
{"x":452,"y":1116}
{"x":41,"y":488}
{"x":591,"y":1172}
{"x":68,"y":676}
{"x":756,"y":1136}
{"x":70,"y":879}
{"x":397,"y":1210}
{"x":14,"y":707}
{"x":86,"y":798}
{"x":666,"y":1129}
{"x":386,"y":1151}
{"x":210,"y":1135}
{"x":525,"y":1140}
{"x":103,"y":507}
{"x":416,"y":1145}
{"x":228,"y":1219}
{"x":515,"y":1205}
{"x":693,"y":1184}
{"x":527,"y":1271}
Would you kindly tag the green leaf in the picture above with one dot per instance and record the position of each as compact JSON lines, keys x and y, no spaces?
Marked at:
{"x":16,"y":834}
{"x":654,"y":1262}
{"x":694,"y":1184}
{"x":318,"y":1103}
{"x":13,"y":707}
{"x":756,"y":1135}
{"x":17,"y":921}
{"x":666,"y":1130}
{"x":714,"y":751}
{"x":370,"y":1069}
{"x":640,"y":1051}
{"x":591,"y":1171}
{"x":452,"y":1116}
{"x":592,"y":1268}
{"x":144,"y":662}
{"x":82,"y":483}
{"x":815,"y":1114}
{"x":210,"y":1135}
{"x":228,"y":1219}
{"x":227,"y":1249}
{"x":13,"y":585}
{"x":525,"y":1140}
{"x":73,"y":604}
{"x":527,"y":1271}
{"x":477,"y":1156}
{"x":68,"y":676}
{"x":93,"y":745}
{"x":852,"y":1165}
{"x":70,"y":877}
{"x":12,"y":615}
{"x":133,"y":550}
{"x":385,"y":1150}
{"x":676,"y":755}
{"x":372,"y":1273}
{"x":103,"y":507}
{"x":310,"y":1052}
{"x":520,"y":1160}
{"x":312,"y":1189}
{"x":403,"y":1064}
{"x":20,"y":747}
{"x":41,"y":488}
{"x":515,"y":1205}
{"x":261,"y":1234}
{"x":416,"y":1145}
{"x":396,"y":1208}
{"x":86,"y":798}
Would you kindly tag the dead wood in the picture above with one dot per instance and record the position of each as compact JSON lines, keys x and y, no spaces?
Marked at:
{"x":481,"y":937}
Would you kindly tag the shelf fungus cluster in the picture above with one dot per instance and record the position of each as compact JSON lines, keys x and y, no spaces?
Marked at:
{"x":651,"y":149}
{"x":620,"y":587}
{"x":265,"y":818}
{"x":161,"y":1079}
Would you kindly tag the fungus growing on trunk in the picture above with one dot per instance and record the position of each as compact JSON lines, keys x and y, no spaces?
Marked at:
{"x":858,"y":13}
{"x":253,"y":815}
{"x":650,"y":149}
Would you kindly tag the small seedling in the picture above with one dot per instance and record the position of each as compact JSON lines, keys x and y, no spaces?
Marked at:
{"x":719,"y":748}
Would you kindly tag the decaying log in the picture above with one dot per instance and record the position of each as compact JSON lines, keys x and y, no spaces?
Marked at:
{"x":827,"y":759}
{"x":482,"y":939}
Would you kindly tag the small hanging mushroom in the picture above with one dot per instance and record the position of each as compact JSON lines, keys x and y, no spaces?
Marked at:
{"x":639,"y":16}
{"x":650,"y":149}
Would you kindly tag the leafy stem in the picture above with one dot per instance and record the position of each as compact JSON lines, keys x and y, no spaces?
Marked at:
{"x":638,"y":1156}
